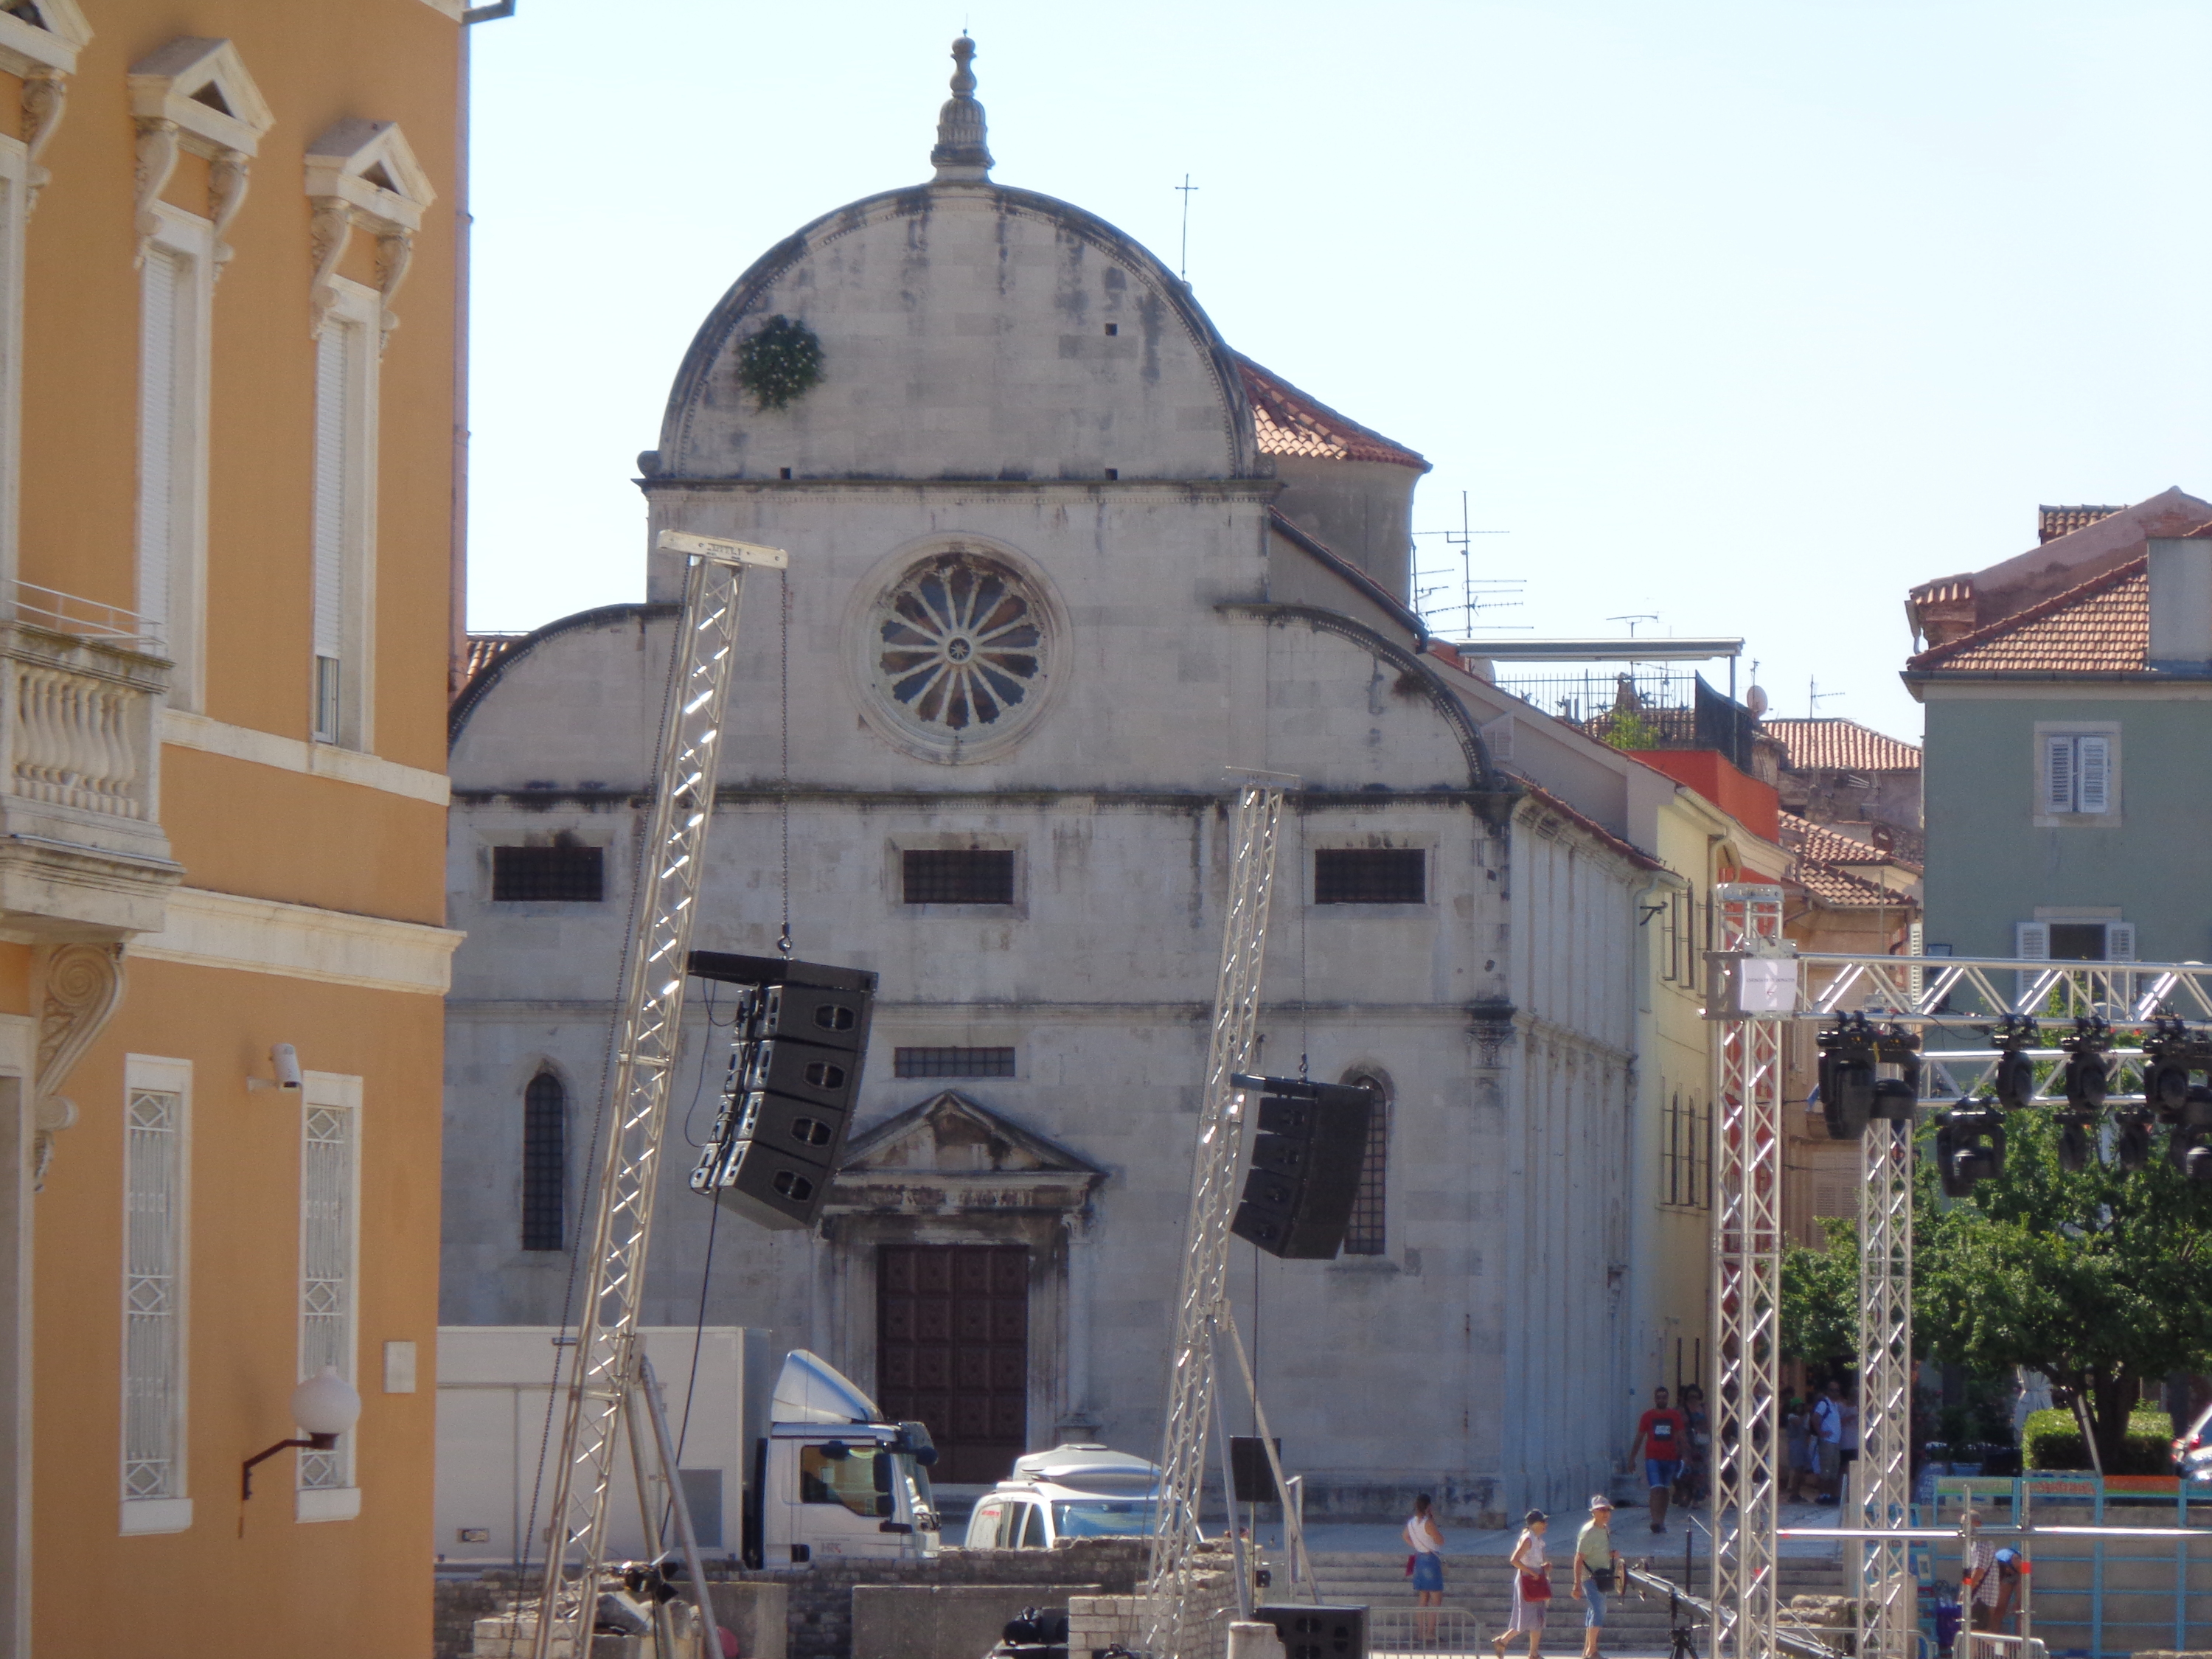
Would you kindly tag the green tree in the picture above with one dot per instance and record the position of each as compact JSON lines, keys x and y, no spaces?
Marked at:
{"x":1821,"y":1298}
{"x":2095,"y":1278}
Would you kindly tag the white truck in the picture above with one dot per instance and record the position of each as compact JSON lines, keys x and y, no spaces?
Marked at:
{"x":805,"y":1471}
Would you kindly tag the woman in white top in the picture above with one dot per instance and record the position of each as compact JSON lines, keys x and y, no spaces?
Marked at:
{"x":1427,"y":1544}
{"x":1530,"y":1572}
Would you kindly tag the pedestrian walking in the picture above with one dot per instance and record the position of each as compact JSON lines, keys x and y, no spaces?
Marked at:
{"x":1660,"y":1435}
{"x":1797,"y":1432}
{"x":1828,"y":1439}
{"x":1531,"y":1587}
{"x":1596,"y":1562}
{"x":1426,"y":1563}
{"x":1697,"y":1445}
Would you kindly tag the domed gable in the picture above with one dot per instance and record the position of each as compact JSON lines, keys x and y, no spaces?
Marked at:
{"x":966,"y":331}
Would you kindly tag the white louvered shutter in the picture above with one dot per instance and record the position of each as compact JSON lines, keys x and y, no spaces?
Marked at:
{"x":1498,"y":737}
{"x":163,"y":282}
{"x":2032,"y":941}
{"x":2119,"y":941}
{"x":2058,"y":775}
{"x":2093,"y":786}
{"x":333,"y":373}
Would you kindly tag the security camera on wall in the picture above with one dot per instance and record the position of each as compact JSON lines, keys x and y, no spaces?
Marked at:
{"x":284,"y":1060}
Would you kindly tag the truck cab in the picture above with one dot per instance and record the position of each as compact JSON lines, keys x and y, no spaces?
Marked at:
{"x":1071,"y":1491}
{"x":833,"y":1479}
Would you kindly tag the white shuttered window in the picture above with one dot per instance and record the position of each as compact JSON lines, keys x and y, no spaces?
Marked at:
{"x":176,"y":312}
{"x":157,"y":1181}
{"x":330,"y":1230}
{"x":2080,"y":774}
{"x":344,"y":527}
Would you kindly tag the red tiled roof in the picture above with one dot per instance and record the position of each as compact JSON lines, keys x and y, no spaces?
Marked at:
{"x":1822,"y":845}
{"x":1832,"y":743}
{"x":2052,"y":522}
{"x":485,"y":649}
{"x":1842,"y":891}
{"x":2102,"y":626}
{"x":1290,"y":422}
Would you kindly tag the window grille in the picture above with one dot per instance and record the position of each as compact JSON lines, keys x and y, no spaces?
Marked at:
{"x":1364,"y":1235}
{"x":1370,"y":875}
{"x":549,"y":875}
{"x":1686,"y":1153}
{"x":958,"y":876}
{"x":544,"y":1162}
{"x":153,"y":1349}
{"x":952,"y":1062}
{"x":328,"y":1269}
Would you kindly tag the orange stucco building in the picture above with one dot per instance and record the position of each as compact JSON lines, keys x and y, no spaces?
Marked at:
{"x":230,"y":277}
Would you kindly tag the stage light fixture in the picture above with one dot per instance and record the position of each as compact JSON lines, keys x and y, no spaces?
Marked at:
{"x":1970,"y":1146}
{"x":2188,"y":1147}
{"x":2132,"y":1144}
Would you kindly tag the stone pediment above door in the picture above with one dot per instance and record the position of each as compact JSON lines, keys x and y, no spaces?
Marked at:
{"x":953,"y":1155}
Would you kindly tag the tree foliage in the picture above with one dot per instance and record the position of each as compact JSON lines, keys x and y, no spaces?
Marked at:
{"x":1821,"y":1298}
{"x":2095,"y":1278}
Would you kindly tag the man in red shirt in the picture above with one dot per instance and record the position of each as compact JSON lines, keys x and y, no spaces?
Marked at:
{"x":1663,"y":1434}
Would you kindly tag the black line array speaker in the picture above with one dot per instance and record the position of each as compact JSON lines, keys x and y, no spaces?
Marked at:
{"x":1247,"y":1468}
{"x":1318,"y":1632}
{"x":799,"y":1037}
{"x":1305,"y":1167}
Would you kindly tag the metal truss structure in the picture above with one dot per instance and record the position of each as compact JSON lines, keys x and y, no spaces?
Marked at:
{"x":648,"y":1035}
{"x":1889,"y":1614}
{"x":1173,"y":1626}
{"x":1747,"y":1284}
{"x":1988,"y":1007}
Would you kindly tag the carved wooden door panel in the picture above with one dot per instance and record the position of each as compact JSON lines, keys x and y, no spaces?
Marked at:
{"x":952,"y":1332}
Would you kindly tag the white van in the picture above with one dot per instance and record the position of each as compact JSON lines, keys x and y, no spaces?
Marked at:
{"x":1071,"y":1491}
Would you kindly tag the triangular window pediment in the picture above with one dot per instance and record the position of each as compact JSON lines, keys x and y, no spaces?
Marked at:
{"x":41,"y":34}
{"x":202,"y":86}
{"x":950,"y":1135}
{"x":370,"y":166}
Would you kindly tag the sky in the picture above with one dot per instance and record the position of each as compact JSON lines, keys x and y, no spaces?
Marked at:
{"x":1745,"y":318}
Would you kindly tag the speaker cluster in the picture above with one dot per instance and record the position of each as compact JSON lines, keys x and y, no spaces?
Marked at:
{"x":1306,"y":1159}
{"x":798,"y":1040}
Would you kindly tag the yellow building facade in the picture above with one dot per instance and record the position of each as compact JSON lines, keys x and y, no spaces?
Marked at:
{"x":229,"y":282}
{"x":1701,"y":846}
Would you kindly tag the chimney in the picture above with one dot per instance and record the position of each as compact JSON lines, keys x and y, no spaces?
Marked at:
{"x":2180,"y":558}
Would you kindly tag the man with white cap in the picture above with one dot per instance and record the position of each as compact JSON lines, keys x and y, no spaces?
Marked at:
{"x":1596,"y":1562}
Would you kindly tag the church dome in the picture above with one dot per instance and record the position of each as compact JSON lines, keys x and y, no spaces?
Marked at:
{"x":958,"y":328}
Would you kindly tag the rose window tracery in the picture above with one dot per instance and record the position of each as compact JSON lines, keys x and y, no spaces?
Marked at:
{"x":958,"y":649}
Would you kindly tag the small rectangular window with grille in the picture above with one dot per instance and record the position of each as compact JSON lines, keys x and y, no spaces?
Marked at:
{"x":957,"y":876}
{"x":555,"y":875}
{"x":1370,"y":875}
{"x":952,"y":1062}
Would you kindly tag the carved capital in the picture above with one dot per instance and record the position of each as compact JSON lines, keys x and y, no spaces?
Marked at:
{"x":395,"y":253}
{"x":226,"y":181}
{"x":157,"y":161}
{"x":45,"y":96}
{"x":331,"y":229}
{"x":80,"y":987}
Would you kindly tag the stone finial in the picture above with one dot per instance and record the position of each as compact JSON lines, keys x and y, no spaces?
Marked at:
{"x":960,"y":155}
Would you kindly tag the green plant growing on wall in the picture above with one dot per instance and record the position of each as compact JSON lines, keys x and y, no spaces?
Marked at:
{"x":1625,"y":728}
{"x":781,"y":363}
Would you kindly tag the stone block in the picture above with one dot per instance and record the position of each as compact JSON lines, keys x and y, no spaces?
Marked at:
{"x":757,"y":1613}
{"x":941,"y":1621}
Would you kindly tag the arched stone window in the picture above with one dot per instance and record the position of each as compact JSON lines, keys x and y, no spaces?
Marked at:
{"x":1365,"y":1236}
{"x":544,"y":1162}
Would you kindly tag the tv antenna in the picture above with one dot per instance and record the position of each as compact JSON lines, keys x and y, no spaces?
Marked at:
{"x":1182,"y":265}
{"x":1635,"y":617}
{"x":1476,"y":595}
{"x":1814,"y":698}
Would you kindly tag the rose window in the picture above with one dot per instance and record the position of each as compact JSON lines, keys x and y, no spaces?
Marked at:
{"x":958,"y":649}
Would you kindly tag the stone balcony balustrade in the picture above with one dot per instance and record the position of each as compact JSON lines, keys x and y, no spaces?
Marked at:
{"x":82,"y":854}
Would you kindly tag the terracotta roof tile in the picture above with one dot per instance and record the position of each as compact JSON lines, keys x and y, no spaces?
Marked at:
{"x":485,"y":649}
{"x":1822,"y":845}
{"x":1832,"y":743}
{"x":2102,"y":626}
{"x":1290,"y":422}
{"x":2052,"y":522}
{"x":1842,"y":891}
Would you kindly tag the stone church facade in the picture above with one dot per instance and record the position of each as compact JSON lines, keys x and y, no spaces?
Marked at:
{"x":1059,"y":556}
